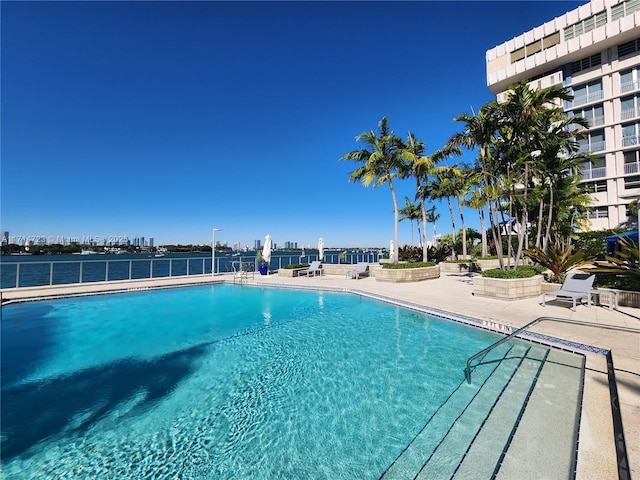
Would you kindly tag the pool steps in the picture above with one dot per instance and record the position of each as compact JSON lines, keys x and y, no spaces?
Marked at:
{"x":493,"y":406}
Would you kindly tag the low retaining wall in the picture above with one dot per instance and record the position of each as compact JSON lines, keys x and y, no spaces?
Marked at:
{"x":399,"y":275}
{"x":452,"y":267}
{"x":507,"y":288}
{"x":289,"y":272}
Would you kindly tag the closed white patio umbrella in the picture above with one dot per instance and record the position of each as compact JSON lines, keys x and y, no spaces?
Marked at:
{"x":266,"y":250}
{"x":320,"y":249}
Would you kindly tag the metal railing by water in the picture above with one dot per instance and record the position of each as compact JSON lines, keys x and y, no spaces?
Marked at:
{"x":531,"y":324}
{"x":18,"y":274}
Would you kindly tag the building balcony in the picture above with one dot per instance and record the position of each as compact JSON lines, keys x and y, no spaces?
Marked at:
{"x":592,"y":97}
{"x":593,"y":147}
{"x":631,"y":140}
{"x":596,"y":121}
{"x":630,"y":113}
{"x":598,"y":172}
{"x":629,"y":86}
{"x":631,"y":167}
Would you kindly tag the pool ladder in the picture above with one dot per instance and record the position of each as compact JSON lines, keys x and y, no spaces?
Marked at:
{"x":531,"y":324}
{"x":241,"y":271}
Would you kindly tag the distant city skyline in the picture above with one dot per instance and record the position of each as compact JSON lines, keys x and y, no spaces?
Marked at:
{"x":6,"y":238}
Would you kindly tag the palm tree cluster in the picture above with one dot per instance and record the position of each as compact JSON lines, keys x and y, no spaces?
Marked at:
{"x":525,"y":177}
{"x":388,"y":158}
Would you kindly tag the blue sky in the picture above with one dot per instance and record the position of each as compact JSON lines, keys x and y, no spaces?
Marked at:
{"x":166,"y":119}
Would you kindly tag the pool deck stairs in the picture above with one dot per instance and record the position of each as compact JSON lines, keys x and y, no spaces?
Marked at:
{"x":504,"y":384}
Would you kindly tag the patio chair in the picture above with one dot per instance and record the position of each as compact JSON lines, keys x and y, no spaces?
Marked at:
{"x":361,"y":270}
{"x":575,"y":287}
{"x":314,"y":269}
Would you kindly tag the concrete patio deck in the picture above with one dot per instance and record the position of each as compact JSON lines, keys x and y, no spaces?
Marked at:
{"x":454,"y":293}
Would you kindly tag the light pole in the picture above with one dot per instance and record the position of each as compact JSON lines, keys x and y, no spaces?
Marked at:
{"x":213,"y":251}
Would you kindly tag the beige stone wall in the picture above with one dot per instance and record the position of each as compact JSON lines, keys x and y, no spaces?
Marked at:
{"x":507,"y":289}
{"x":407,"y":274}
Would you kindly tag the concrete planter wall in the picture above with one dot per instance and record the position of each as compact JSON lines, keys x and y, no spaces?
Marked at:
{"x":399,"y":275}
{"x":451,"y":267}
{"x":289,"y":272}
{"x":507,"y":288}
{"x":337,"y":268}
{"x":488,"y":264}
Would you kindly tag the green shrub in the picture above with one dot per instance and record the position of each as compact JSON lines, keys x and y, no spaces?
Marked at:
{"x":408,"y":265}
{"x":523,"y":271}
{"x":457,"y":261}
{"x":291,"y":266}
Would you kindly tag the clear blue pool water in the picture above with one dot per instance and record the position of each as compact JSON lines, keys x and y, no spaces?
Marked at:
{"x":221,"y":382}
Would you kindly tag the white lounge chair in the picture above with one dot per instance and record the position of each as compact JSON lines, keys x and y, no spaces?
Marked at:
{"x":314,"y":269}
{"x":576,"y":287}
{"x":361,"y":270}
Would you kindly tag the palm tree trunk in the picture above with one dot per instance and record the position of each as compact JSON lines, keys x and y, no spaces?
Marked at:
{"x":540,"y":213}
{"x":453,"y":229}
{"x":483,"y":228}
{"x":425,"y":250}
{"x":547,"y":234}
{"x":395,"y":222}
{"x":464,"y":231}
{"x":497,"y":233}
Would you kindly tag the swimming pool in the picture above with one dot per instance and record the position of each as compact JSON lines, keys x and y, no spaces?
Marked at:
{"x":244,"y":382}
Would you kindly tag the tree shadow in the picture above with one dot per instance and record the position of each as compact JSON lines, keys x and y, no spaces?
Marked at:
{"x":33,"y":412}
{"x":25,"y":338}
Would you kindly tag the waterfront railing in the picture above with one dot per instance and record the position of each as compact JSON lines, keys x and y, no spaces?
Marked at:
{"x":18,"y":274}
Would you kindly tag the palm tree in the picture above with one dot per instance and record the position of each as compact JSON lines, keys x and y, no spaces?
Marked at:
{"x":480,"y":131}
{"x":420,"y":167}
{"x":381,"y":164}
{"x":445,"y":186}
{"x":521,"y":117}
{"x":478,"y":201}
{"x":432,"y":217}
{"x":410,"y":212}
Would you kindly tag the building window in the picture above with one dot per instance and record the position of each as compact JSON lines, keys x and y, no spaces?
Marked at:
{"x":594,"y":187}
{"x":594,"y":142}
{"x":551,"y":40}
{"x":598,"y":212}
{"x":595,"y":169}
{"x":631,"y":182}
{"x":632,"y":161}
{"x":586,"y":25}
{"x":630,"y":107}
{"x":586,"y":63}
{"x":594,"y":114}
{"x":624,"y":8}
{"x":629,"y":80}
{"x":535,"y":47}
{"x":588,"y":92}
{"x":628,"y":48}
{"x":631,"y":134}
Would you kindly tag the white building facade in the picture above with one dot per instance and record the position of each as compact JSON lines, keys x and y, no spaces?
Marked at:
{"x":593,"y":50}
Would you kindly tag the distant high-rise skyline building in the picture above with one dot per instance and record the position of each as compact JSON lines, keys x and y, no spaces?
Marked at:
{"x":5,"y":237}
{"x":257,"y":244}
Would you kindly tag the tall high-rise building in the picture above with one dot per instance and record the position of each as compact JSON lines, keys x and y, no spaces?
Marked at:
{"x":257,"y":244}
{"x":594,"y":51}
{"x":4,"y":237}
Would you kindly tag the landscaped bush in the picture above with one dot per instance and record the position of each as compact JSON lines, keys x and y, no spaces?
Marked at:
{"x":291,"y":266}
{"x":523,"y":271}
{"x":457,"y":261}
{"x":408,"y":265}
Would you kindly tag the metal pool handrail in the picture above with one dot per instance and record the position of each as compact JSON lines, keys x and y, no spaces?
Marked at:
{"x":531,"y":324}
